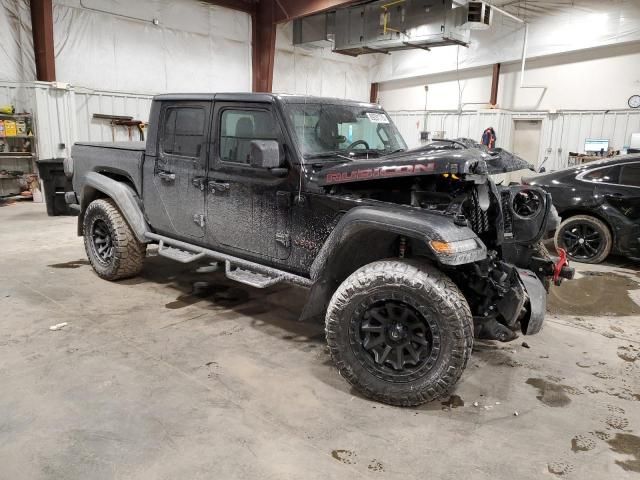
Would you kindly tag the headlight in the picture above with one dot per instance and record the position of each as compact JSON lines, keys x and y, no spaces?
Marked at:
{"x":450,"y":248}
{"x":459,"y":252}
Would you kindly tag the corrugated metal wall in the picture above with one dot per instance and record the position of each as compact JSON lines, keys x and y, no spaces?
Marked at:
{"x":64,"y":116}
{"x":562,"y":132}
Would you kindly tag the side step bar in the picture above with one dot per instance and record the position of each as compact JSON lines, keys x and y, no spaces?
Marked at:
{"x":254,"y":279}
{"x":238,"y":269}
{"x":182,"y":256}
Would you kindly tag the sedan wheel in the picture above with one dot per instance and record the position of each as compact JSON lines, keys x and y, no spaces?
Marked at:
{"x":586,"y":239}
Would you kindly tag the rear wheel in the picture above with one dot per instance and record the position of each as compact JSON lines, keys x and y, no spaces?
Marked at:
{"x":585,"y":238}
{"x":400,"y":332}
{"x":111,"y":246}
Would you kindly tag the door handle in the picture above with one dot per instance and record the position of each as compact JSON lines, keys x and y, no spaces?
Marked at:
{"x":167,"y":176}
{"x":199,"y":183}
{"x":218,"y":186}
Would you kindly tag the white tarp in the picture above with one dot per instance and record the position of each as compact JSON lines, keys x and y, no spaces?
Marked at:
{"x":555,"y":26}
{"x":318,"y":71}
{"x":16,"y":42}
{"x":114,"y":45}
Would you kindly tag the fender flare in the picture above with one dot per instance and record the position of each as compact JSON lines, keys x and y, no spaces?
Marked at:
{"x":413,"y":223}
{"x":419,"y":225}
{"x":125,"y":198}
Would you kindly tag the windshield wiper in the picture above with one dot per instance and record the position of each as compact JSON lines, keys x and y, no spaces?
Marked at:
{"x":327,"y":155}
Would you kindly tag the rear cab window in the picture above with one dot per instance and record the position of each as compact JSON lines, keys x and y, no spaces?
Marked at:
{"x":183,"y":131}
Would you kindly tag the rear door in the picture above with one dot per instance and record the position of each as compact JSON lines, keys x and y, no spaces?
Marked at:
{"x":180,"y":169}
{"x":248,"y":208}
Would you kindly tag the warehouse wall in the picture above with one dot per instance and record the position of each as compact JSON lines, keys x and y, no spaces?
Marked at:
{"x":318,"y":71}
{"x":113,"y":45}
{"x":564,"y":77}
{"x":16,"y":42}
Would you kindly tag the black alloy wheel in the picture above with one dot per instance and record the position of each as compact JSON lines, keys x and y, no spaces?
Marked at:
{"x":586,"y":239}
{"x":582,"y":241}
{"x":102,"y":241}
{"x":394,"y":340}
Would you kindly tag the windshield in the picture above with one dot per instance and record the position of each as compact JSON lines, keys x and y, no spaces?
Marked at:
{"x":330,"y":131}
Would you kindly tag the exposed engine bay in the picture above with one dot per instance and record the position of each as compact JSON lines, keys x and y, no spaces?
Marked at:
{"x":511,"y":222}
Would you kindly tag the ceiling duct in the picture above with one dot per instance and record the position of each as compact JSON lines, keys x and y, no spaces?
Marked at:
{"x":388,"y":25}
{"x":315,"y":31}
{"x":479,"y":15}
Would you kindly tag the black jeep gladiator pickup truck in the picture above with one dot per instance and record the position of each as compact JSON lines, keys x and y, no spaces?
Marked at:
{"x":406,"y":253}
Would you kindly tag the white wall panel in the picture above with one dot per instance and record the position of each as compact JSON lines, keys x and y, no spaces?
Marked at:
{"x":562,"y":132}
{"x":318,"y":71}
{"x":16,"y":42}
{"x":113,"y":45}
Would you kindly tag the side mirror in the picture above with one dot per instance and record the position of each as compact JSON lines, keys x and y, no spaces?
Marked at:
{"x":265,"y":154}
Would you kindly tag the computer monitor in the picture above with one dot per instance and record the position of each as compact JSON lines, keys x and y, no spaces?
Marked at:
{"x":596,"y":144}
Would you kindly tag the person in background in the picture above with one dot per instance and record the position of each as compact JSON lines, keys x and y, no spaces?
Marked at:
{"x":489,"y":137}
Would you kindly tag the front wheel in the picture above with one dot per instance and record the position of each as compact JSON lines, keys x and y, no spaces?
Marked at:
{"x":400,"y":332}
{"x":585,"y":238}
{"x":111,"y":246}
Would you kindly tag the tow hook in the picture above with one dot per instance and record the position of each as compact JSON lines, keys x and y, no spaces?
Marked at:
{"x":561,"y":268}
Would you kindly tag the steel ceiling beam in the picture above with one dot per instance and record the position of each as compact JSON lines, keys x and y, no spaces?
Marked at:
{"x":293,"y":9}
{"x":265,"y":14}
{"x":263,"y":45}
{"x":42,"y":26}
{"x":246,"y":6}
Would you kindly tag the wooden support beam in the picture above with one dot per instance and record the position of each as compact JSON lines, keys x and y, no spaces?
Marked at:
{"x":42,"y":26}
{"x":495,"y":81}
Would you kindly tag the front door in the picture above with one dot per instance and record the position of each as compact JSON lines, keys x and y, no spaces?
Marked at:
{"x":180,"y":170}
{"x":248,"y":208}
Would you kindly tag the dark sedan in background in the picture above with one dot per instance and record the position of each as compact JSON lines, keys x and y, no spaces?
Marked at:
{"x":599,"y":203}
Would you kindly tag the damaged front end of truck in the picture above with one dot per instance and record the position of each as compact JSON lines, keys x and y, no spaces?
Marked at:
{"x":491,"y":246}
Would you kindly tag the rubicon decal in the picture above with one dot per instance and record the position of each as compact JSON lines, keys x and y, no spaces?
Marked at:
{"x":379,"y":172}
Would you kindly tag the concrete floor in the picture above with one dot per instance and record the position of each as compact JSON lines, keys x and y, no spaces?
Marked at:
{"x":151,"y":381}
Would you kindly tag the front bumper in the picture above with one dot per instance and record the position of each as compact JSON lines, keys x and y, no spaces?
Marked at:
{"x":536,"y":303}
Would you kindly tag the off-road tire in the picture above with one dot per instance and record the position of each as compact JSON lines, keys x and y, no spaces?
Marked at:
{"x":436,"y":294}
{"x":595,"y":224}
{"x":128,"y":253}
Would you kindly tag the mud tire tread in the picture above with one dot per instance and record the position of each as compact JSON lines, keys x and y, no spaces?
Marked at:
{"x":454,"y":319}
{"x":129,"y":253}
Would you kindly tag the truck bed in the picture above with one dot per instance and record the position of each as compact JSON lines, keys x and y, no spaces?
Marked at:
{"x":119,"y":158}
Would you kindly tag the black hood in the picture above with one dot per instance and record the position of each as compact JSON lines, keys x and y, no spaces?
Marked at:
{"x":459,"y":157}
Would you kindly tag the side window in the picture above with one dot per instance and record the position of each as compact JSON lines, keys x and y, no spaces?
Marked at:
{"x":183,"y":131}
{"x":239,"y":127}
{"x":630,"y":175}
{"x":606,"y":175}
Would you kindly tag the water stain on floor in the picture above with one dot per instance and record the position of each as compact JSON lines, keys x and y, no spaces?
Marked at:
{"x":221,"y":295}
{"x":71,"y":264}
{"x":627,"y":444}
{"x":594,"y":294}
{"x":551,"y":394}
{"x":345,"y":456}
